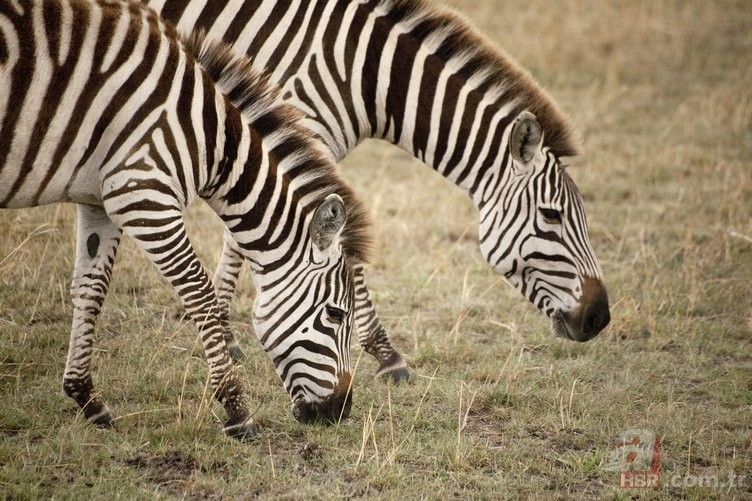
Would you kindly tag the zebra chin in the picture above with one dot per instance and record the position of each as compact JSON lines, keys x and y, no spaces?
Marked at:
{"x":329,"y":410}
{"x":588,"y":319}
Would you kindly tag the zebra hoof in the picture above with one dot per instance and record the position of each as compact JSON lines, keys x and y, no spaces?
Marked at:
{"x":102,"y":418}
{"x":243,"y":431}
{"x":236,"y":352}
{"x":397,"y":376}
{"x":394,"y":369}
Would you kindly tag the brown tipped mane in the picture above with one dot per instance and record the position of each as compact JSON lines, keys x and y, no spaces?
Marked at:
{"x":461,"y":39}
{"x":261,"y":105}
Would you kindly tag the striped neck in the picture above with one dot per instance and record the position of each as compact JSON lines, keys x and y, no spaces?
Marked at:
{"x":252,"y":194}
{"x":270,"y":175}
{"x":449,"y":97}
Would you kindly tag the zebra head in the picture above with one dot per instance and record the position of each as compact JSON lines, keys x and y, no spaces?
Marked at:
{"x":304,"y":319}
{"x":533,"y":231}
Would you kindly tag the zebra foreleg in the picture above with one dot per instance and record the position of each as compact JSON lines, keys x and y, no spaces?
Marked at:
{"x":160,"y":233}
{"x":372,"y":335}
{"x":97,"y":240}
{"x":225,"y":280}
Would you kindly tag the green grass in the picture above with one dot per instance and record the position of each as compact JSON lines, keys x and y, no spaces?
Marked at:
{"x":661,"y":92}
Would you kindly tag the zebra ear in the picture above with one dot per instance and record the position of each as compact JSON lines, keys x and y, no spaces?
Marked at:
{"x":328,"y":221}
{"x":527,"y":136}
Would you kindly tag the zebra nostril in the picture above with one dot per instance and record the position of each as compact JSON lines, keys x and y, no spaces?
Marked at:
{"x":336,"y":407}
{"x":596,"y":320}
{"x":596,"y":315}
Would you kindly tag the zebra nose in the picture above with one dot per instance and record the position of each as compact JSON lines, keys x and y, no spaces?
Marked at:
{"x":328,"y":411}
{"x":595,"y":314}
{"x":337,"y":406}
{"x":303,"y":411}
{"x":596,"y":318}
{"x":592,"y":314}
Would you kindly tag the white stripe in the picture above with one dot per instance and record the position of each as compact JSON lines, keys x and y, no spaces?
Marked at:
{"x":224,"y":20}
{"x":157,"y":5}
{"x":295,"y":46}
{"x":356,"y":85}
{"x":280,"y":30}
{"x":345,"y":135}
{"x":10,"y":38}
{"x":18,"y":8}
{"x":342,"y":37}
{"x":411,"y":100}
{"x":250,"y":31}
{"x":187,"y":22}
{"x":66,"y":27}
{"x":471,"y":84}
{"x":384,"y":78}
{"x":116,"y":42}
{"x":138,"y":97}
{"x":30,"y":111}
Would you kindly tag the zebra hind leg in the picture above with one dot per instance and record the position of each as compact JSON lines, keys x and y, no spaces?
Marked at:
{"x":225,"y":280}
{"x":97,"y":240}
{"x":161,"y":234}
{"x":373,"y":337}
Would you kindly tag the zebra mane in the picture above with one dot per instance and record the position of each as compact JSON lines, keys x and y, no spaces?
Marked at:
{"x":453,"y":38}
{"x":262,"y":107}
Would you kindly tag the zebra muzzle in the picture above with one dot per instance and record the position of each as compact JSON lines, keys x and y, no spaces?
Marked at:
{"x":589,"y":318}
{"x":330,"y":410}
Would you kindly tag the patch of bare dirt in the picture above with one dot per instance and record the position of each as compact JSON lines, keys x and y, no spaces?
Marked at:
{"x":174,"y":473}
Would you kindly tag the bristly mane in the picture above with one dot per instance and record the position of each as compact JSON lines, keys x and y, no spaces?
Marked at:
{"x":263,"y":109}
{"x":463,"y":42}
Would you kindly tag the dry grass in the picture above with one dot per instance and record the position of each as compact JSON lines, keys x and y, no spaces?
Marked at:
{"x":661,"y":93}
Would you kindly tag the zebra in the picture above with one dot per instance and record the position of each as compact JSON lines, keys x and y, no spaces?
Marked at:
{"x":422,"y":78}
{"x":104,"y":105}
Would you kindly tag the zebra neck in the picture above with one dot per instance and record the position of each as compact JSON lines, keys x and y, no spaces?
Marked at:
{"x":435,"y":104}
{"x":453,"y":125}
{"x":425,"y":80}
{"x":257,"y":200}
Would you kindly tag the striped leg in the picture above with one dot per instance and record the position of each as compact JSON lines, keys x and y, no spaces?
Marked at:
{"x":96,"y":246}
{"x":372,"y":335}
{"x":158,"y":230}
{"x":225,"y":280}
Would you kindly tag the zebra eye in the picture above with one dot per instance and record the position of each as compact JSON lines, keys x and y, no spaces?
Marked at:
{"x":335,"y":314}
{"x":551,"y":216}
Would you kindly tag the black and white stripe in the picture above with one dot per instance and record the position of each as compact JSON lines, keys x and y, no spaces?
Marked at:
{"x":103,"y":105}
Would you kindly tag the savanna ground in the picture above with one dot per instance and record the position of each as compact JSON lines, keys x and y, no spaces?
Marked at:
{"x":498,"y":407}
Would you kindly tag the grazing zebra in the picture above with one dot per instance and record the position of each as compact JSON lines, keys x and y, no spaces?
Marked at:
{"x":102,"y":104}
{"x":421,"y":78}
